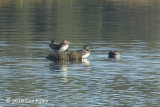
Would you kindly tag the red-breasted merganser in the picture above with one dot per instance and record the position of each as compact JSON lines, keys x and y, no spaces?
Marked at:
{"x":113,"y":54}
{"x":53,"y":45}
{"x":85,"y":52}
{"x":63,"y":46}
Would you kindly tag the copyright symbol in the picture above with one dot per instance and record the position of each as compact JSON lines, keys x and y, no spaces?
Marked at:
{"x":8,"y":100}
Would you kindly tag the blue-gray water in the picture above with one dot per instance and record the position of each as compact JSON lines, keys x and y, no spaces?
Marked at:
{"x":131,"y":27}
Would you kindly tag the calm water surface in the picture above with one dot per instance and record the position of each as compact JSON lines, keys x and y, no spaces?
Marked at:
{"x":131,"y":27}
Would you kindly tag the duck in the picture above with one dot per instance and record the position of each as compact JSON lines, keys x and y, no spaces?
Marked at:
{"x":114,"y":54}
{"x":53,"y":45}
{"x":63,"y":46}
{"x":85,"y":52}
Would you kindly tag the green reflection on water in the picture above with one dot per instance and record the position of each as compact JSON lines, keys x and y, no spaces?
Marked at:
{"x":44,"y":20}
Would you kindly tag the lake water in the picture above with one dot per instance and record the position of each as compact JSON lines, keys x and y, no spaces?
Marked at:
{"x":131,"y":27}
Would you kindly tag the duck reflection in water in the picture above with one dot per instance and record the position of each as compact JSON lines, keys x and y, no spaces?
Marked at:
{"x":85,"y":63}
{"x":60,"y":66}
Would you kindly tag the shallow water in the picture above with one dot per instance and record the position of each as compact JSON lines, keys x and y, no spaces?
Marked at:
{"x":131,"y":27}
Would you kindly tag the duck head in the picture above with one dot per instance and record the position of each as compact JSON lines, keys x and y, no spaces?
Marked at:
{"x":53,"y":42}
{"x":66,"y":41}
{"x":86,"y":47}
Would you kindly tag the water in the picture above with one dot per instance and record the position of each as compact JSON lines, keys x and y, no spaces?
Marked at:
{"x":131,"y":27}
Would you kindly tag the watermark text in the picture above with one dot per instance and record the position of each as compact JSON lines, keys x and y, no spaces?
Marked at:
{"x":37,"y":101}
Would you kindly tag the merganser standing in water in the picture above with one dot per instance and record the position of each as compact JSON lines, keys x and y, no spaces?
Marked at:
{"x":63,"y":46}
{"x":85,"y":52}
{"x":53,"y":45}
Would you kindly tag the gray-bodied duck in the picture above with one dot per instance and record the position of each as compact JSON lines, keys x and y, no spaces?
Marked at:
{"x":63,"y":46}
{"x":114,"y":54}
{"x":53,"y":45}
{"x":85,"y":52}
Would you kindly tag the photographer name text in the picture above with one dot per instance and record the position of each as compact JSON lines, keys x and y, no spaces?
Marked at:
{"x":38,"y":101}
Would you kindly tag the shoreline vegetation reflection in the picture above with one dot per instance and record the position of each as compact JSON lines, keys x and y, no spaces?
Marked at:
{"x":62,"y":24}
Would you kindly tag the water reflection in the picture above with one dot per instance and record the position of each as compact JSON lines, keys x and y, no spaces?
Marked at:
{"x":85,"y":63}
{"x":31,"y":20}
{"x":131,"y":26}
{"x":61,"y":65}
{"x":114,"y":59}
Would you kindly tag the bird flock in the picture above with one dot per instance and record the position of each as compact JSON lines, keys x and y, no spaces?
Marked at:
{"x":85,"y":52}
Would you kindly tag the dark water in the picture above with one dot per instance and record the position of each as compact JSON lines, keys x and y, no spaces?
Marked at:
{"x":131,"y":27}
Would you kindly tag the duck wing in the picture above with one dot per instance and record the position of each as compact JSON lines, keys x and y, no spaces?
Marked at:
{"x":80,"y":51}
{"x":111,"y":54}
{"x":53,"y":46}
{"x":60,"y":45}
